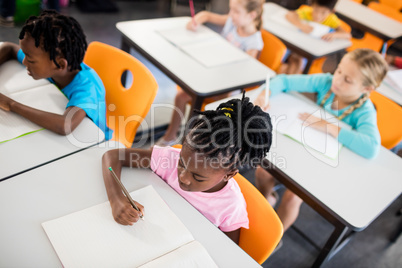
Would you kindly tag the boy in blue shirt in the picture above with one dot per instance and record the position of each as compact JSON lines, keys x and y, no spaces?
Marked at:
{"x":53,"y":46}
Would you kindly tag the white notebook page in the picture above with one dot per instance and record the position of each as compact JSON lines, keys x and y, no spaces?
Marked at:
{"x":47,"y":98}
{"x":92,"y":238}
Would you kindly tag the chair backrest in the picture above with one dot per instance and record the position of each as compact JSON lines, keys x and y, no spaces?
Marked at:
{"x":395,"y":4}
{"x":386,"y":10}
{"x":389,"y":118}
{"x":126,"y":108}
{"x":265,"y":228}
{"x":273,"y":51}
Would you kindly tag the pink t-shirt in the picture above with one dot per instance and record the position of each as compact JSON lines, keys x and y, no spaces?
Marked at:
{"x":225,"y":208}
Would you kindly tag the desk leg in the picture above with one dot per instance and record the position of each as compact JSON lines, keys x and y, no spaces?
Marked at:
{"x":308,"y":65}
{"x":334,"y":240}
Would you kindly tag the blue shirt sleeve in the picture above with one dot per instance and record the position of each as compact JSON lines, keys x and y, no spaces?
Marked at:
{"x":364,"y":137}
{"x":20,"y":56}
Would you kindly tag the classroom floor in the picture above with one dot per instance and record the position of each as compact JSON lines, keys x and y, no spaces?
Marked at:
{"x":369,"y":248}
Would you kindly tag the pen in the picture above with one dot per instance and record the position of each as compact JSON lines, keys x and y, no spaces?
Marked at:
{"x":267,"y":89}
{"x":126,"y":193}
{"x":191,"y":3}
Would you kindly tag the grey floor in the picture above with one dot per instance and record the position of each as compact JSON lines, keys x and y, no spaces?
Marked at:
{"x":369,"y":248}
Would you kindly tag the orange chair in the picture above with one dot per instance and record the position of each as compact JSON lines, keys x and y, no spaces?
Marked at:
{"x":126,"y":108}
{"x":272,"y":52}
{"x":395,"y":4}
{"x":388,"y":114}
{"x":265,"y":228}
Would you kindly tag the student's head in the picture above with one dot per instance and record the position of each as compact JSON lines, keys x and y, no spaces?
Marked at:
{"x":322,"y":9}
{"x":359,"y":72}
{"x":219,"y":142}
{"x":246,"y":12}
{"x":51,"y":42}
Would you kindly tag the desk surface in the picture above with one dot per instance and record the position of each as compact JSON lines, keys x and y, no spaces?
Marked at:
{"x":353,"y":189}
{"x":182,"y":68}
{"x":75,"y":183}
{"x":372,"y":21}
{"x":312,"y":46}
{"x":40,"y":147}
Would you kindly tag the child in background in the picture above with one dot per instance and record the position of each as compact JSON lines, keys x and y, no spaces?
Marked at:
{"x":215,"y":147}
{"x":320,"y":11}
{"x":241,"y":28}
{"x":345,"y":95}
{"x":53,"y":46}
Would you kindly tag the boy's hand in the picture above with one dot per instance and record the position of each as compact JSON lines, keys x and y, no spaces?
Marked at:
{"x":305,"y":28}
{"x":124,"y":213}
{"x":5,"y":102}
{"x":328,"y":37}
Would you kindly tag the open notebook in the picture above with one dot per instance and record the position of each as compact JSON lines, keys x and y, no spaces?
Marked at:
{"x":318,"y":29}
{"x":205,"y":46}
{"x":39,"y":94}
{"x":91,"y":238}
{"x":284,"y":109}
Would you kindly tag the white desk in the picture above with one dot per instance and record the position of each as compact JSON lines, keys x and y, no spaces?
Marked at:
{"x":75,"y":183}
{"x":44,"y":146}
{"x":366,"y":19}
{"x":197,"y":80}
{"x":297,"y":41}
{"x":390,"y":93}
{"x":350,"y":192}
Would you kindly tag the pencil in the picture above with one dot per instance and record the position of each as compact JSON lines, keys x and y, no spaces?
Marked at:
{"x":267,"y":89}
{"x":191,"y":3}
{"x":126,"y":192}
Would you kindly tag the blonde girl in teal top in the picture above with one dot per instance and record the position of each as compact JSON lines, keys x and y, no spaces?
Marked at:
{"x":344,"y":94}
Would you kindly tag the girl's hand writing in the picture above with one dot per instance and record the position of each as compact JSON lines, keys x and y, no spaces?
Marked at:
{"x":124,"y":213}
{"x":305,"y":28}
{"x":199,"y":18}
{"x":5,"y":102}
{"x":260,"y":101}
{"x":319,"y":124}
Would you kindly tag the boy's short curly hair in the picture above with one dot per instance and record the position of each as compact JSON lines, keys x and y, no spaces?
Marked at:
{"x":325,"y":3}
{"x":59,"y":35}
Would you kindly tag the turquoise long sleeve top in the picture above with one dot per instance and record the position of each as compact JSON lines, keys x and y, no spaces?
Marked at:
{"x":364,"y":137}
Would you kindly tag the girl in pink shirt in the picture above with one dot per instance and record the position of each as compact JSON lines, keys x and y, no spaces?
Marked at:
{"x":218,"y":143}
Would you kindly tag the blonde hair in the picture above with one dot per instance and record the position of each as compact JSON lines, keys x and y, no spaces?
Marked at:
{"x":254,"y":5}
{"x":372,"y":66}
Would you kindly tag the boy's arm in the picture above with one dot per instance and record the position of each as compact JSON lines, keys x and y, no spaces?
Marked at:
{"x":8,"y":51}
{"x":234,"y":235}
{"x":122,"y":210}
{"x":338,"y":34}
{"x":253,"y":53}
{"x":60,"y":124}
{"x":293,"y":18}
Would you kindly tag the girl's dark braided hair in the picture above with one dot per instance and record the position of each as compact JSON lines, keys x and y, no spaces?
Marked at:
{"x":59,"y":35}
{"x":237,"y":131}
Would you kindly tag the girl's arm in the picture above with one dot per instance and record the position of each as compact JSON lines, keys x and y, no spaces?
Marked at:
{"x":293,"y":18}
{"x":253,"y":53}
{"x":122,"y":210}
{"x":338,"y":34}
{"x":363,"y":140}
{"x":234,"y":235}
{"x":206,"y":16}
{"x":8,"y":51}
{"x":60,"y":124}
